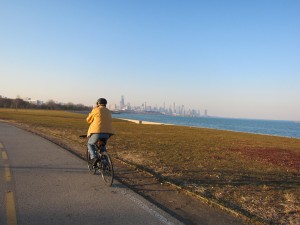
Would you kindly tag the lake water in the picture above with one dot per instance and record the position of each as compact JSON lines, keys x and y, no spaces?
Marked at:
{"x":269,"y":127}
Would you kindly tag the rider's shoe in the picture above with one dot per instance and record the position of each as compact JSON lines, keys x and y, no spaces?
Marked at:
{"x":94,"y":161}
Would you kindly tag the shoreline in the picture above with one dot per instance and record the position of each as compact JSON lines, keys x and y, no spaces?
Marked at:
{"x":169,"y":124}
{"x":144,"y":122}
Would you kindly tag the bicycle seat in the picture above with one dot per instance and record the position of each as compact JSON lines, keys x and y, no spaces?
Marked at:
{"x":83,"y":136}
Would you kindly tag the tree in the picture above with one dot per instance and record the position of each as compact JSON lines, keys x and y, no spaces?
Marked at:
{"x":51,"y":105}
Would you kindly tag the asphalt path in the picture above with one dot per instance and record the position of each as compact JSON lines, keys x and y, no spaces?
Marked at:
{"x":42,"y":183}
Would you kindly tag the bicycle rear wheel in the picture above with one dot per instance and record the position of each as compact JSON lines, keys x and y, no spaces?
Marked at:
{"x":90,"y":166}
{"x":106,"y":169}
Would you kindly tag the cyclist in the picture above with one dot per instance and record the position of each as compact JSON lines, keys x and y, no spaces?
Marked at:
{"x":100,"y":121}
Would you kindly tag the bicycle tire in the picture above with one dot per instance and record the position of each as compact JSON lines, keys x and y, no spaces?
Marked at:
{"x":106,"y":169}
{"x":90,"y":166}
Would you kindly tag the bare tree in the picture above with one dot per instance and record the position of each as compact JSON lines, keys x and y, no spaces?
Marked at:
{"x":51,"y":104}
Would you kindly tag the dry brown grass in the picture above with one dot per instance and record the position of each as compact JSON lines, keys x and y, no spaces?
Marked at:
{"x":256,"y":175}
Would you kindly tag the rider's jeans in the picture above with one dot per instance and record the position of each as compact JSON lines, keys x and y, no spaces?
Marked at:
{"x":93,"y":140}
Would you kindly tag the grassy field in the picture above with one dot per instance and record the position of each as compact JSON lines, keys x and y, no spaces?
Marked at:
{"x":256,"y":175}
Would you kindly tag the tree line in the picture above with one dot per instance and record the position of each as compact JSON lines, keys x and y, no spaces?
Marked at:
{"x":19,"y":103}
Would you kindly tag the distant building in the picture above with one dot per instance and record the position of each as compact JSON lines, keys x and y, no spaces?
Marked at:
{"x":32,"y":101}
{"x":112,"y":107}
{"x":122,"y":102}
{"x":205,"y":112}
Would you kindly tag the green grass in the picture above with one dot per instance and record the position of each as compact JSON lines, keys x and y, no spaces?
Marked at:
{"x":257,"y":175}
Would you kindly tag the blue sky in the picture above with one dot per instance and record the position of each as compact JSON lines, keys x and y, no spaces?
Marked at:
{"x":233,"y":58}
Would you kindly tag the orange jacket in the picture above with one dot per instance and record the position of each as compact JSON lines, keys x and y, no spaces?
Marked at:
{"x":100,"y":121}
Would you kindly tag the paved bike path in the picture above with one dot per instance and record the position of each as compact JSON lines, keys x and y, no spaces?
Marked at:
{"x":41,"y":183}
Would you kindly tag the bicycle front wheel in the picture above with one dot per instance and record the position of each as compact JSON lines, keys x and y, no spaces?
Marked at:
{"x":106,"y":169}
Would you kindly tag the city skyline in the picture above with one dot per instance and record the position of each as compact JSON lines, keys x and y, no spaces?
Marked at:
{"x":238,"y":59}
{"x":173,"y":109}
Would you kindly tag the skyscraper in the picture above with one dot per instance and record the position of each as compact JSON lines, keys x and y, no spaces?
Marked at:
{"x":122,"y":102}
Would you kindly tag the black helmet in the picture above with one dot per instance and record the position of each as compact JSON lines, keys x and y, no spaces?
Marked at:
{"x":101,"y":101}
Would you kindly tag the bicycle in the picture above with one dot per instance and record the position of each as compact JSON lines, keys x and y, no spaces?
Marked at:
{"x":104,"y":165}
